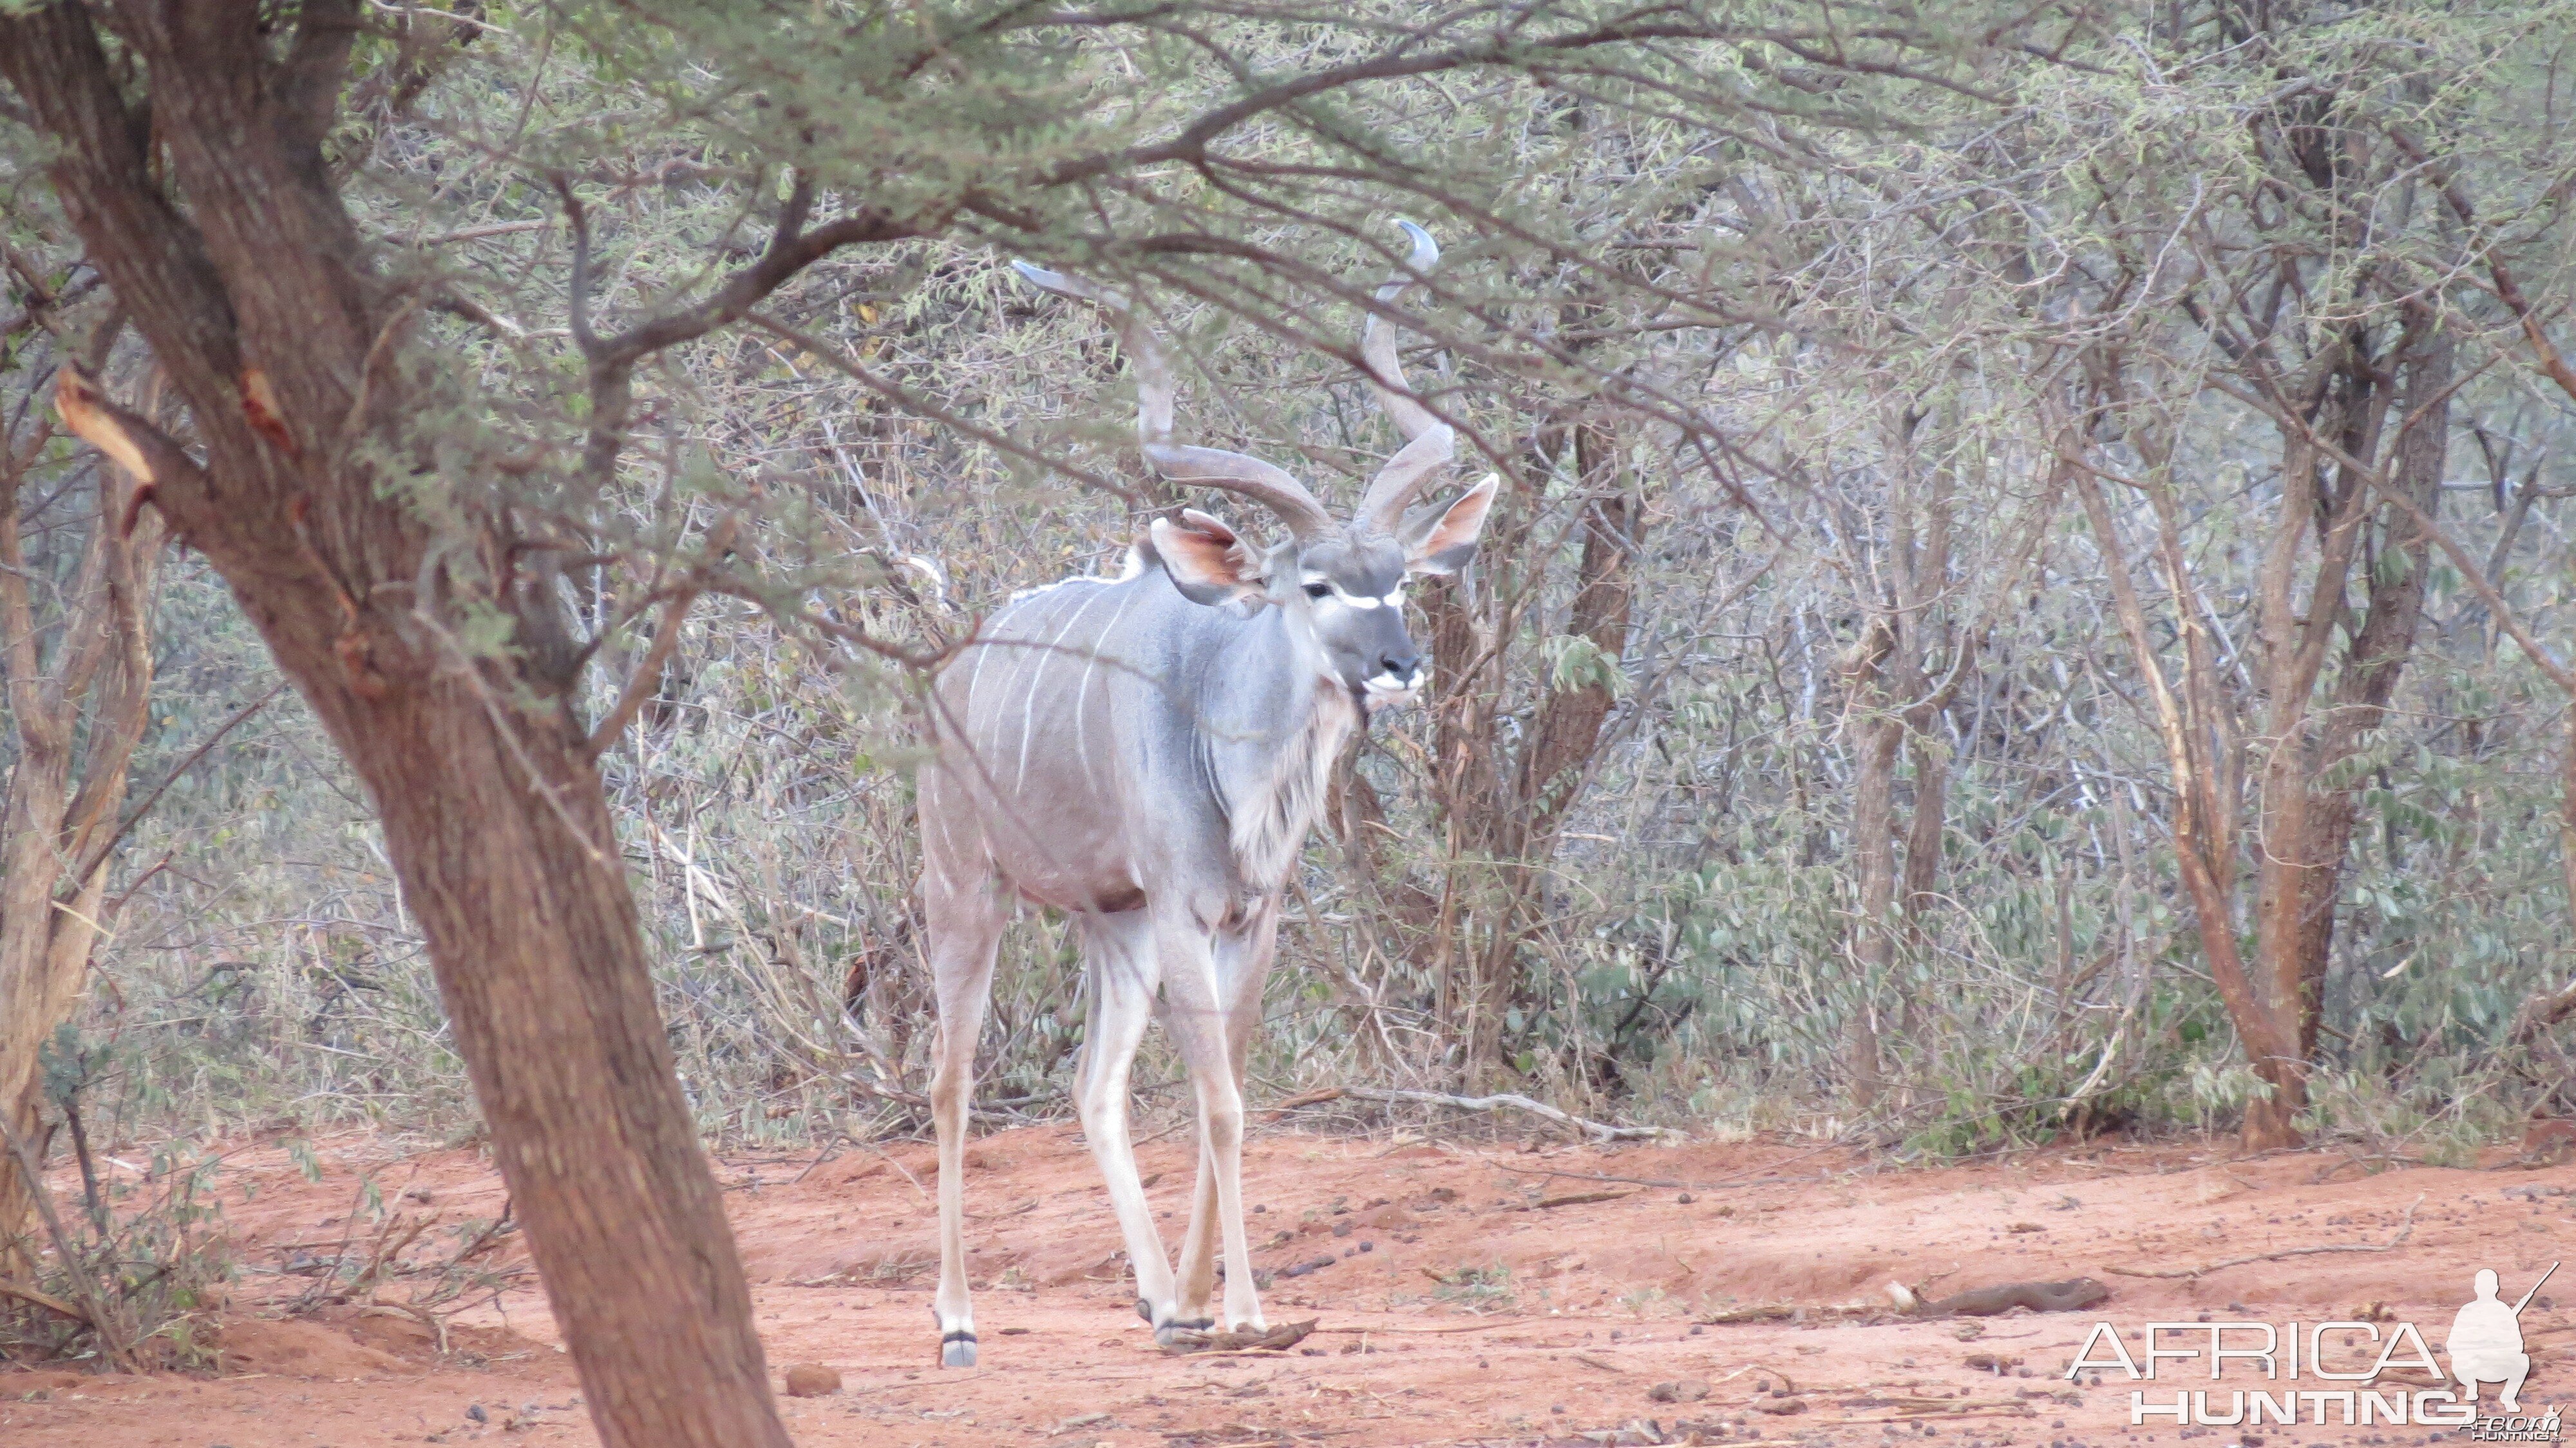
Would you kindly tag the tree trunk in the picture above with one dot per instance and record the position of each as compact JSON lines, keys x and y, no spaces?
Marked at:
{"x":1878,"y":735}
{"x":78,"y":713}
{"x":260,"y":303}
{"x":1926,"y":650}
{"x":1564,"y":735}
{"x":1924,"y":827}
{"x":522,"y":896}
{"x":2203,"y":822}
{"x":1467,"y":790}
{"x":2374,"y":660}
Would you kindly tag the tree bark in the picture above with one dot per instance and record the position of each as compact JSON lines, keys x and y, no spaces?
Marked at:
{"x":78,"y":713}
{"x":1878,"y":736}
{"x":1925,"y":824}
{"x":2292,"y":830}
{"x":260,"y":303}
{"x":2374,"y":659}
{"x":2204,"y":846}
{"x":540,"y":960}
{"x":1466,"y":785}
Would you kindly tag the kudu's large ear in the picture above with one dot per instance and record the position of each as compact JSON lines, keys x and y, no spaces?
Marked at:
{"x":1442,"y":542}
{"x":1205,"y":560}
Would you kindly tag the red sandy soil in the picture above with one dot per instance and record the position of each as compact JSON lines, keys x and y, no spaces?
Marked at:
{"x":1595,"y":1310}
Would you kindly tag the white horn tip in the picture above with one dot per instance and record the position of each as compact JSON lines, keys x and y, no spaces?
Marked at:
{"x":1038,"y":276}
{"x":1425,"y":250}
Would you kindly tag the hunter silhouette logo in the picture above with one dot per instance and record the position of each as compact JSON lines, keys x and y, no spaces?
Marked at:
{"x":2486,"y":1341}
{"x":2350,"y":1361}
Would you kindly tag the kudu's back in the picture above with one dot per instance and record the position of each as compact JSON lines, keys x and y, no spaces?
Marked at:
{"x":1095,"y":733}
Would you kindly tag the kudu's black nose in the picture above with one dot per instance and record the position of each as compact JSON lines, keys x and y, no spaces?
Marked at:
{"x":1399,"y":665}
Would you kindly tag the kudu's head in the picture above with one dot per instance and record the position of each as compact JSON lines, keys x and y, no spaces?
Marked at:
{"x":1340,"y":583}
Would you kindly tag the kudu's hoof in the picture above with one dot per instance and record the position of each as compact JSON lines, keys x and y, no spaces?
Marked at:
{"x":957,"y":1350}
{"x":1167,"y":1334}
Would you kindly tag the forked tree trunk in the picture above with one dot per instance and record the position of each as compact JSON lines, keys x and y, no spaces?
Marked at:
{"x":1895,"y":705}
{"x":2374,"y":660}
{"x":2204,"y":820}
{"x":2307,"y":821}
{"x":1504,"y":825}
{"x":259,"y":301}
{"x":78,"y":710}
{"x":2328,"y":505}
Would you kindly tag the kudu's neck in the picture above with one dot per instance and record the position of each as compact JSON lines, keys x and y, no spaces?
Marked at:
{"x":1274,"y":723}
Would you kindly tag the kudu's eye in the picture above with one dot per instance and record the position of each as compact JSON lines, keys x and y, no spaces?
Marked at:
{"x":1319,"y":590}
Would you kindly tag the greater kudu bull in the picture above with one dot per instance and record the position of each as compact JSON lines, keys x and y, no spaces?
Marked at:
{"x":1148,"y":753}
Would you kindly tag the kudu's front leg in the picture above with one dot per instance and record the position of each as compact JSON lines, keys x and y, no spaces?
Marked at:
{"x":1243,"y":958}
{"x":1196,"y":1014}
{"x":1121,"y":960}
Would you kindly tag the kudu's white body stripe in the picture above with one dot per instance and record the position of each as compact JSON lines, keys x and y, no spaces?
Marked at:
{"x":1037,"y":676}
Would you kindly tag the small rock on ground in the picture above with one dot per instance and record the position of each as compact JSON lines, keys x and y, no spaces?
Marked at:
{"x":1686,"y":1390}
{"x":812,"y":1380}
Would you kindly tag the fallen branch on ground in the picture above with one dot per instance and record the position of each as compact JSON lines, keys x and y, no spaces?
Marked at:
{"x":1786,"y":1383}
{"x":1597,"y":1130}
{"x":422,"y":1315}
{"x":1790,"y":1312}
{"x":1429,"y":1331}
{"x":2392,"y":1244}
{"x":1570,"y":1199}
{"x":1980,"y":1410}
{"x":1278,"y":1339}
{"x":50,"y":1303}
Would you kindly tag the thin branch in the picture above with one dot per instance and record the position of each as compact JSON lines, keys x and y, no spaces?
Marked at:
{"x":98,"y":853}
{"x":2553,"y":363}
{"x":791,"y":249}
{"x":790,"y":252}
{"x":111,"y":1343}
{"x":578,"y":302}
{"x":1503,"y":50}
{"x":50,"y":1304}
{"x":648,"y":673}
{"x":921,"y":406}
{"x":1597,"y":1130}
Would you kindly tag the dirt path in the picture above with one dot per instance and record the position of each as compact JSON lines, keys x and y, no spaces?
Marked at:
{"x":1465,"y":1295}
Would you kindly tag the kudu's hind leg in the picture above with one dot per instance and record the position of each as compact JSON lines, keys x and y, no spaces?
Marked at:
{"x":1196,"y":1015}
{"x":965,"y":925}
{"x":1120,"y":954}
{"x":1243,"y":957}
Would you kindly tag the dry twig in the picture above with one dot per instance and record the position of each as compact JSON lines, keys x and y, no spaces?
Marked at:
{"x":1597,"y":1130}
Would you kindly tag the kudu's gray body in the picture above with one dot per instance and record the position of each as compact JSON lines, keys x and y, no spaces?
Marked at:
{"x":1147,"y":753}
